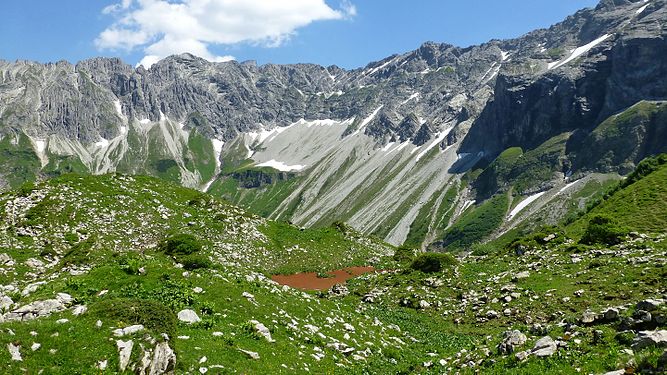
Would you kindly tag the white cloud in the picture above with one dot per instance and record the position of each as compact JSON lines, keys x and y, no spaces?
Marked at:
{"x":165,"y":27}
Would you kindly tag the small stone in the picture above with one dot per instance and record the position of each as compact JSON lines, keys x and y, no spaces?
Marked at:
{"x":588,"y":317}
{"x":197,"y":290}
{"x":62,"y":321}
{"x":79,"y":310}
{"x":579,"y":293}
{"x":120,"y":332}
{"x":521,"y":356}
{"x":14,"y":352}
{"x":251,"y":355}
{"x":349,"y":327}
{"x":102,"y":365}
{"x":610,"y":314}
{"x":424,"y":305}
{"x":35,"y":346}
{"x":492,"y":314}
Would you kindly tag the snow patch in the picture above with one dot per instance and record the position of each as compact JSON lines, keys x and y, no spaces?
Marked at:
{"x":441,"y":137}
{"x":467,"y":205}
{"x":102,"y":143}
{"x":578,"y":52}
{"x":566,"y":187}
{"x":643,"y":8}
{"x":413,"y":96}
{"x":123,"y":130}
{"x":144,"y":121}
{"x":40,"y":145}
{"x":281,"y":166}
{"x":504,"y":55}
{"x":367,"y":120}
{"x":519,"y":207}
{"x":387,"y":146}
{"x":374,"y":70}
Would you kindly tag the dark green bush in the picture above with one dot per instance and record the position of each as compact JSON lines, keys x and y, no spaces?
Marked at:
{"x":433,"y":262}
{"x":603,"y":230}
{"x":180,"y":244}
{"x":482,"y":249}
{"x":404,"y":254}
{"x":195,"y":261}
{"x":150,"y":313}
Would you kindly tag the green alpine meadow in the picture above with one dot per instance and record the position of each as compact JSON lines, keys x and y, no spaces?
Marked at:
{"x":499,"y":208}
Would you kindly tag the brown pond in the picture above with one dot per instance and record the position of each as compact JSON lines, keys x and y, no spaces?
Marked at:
{"x":310,"y":281}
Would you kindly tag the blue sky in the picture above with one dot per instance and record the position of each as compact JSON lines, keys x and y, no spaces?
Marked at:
{"x":348,"y":33}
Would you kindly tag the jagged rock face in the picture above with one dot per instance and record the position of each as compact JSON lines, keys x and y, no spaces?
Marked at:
{"x":368,"y":146}
{"x":628,"y":66}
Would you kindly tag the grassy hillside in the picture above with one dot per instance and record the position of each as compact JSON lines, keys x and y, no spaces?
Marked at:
{"x":639,"y":202}
{"x":137,"y":250}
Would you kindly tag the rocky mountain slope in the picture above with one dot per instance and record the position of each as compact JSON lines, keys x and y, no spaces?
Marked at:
{"x":400,"y":149}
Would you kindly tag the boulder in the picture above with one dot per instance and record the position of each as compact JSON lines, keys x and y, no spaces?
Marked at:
{"x":545,"y":347}
{"x":650,"y":338}
{"x":262,"y":330}
{"x":188,"y":316}
{"x":164,"y":360}
{"x":511,"y":340}
{"x":649,"y":304}
{"x":124,"y":353}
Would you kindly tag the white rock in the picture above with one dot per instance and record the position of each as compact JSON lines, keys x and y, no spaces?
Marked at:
{"x":164,"y":359}
{"x":349,"y":327}
{"x":35,"y":346}
{"x":545,"y":347}
{"x":650,"y":338}
{"x":203,"y":359}
{"x":62,"y":321}
{"x":14,"y":352}
{"x":5,"y":303}
{"x":79,"y":309}
{"x":124,"y":353}
{"x":64,"y":298}
{"x":197,"y":290}
{"x":217,"y":334}
{"x":102,"y":365}
{"x":251,"y":355}
{"x":188,"y":316}
{"x":203,"y":370}
{"x":98,"y":324}
{"x":262,"y":330}
{"x":120,"y":332}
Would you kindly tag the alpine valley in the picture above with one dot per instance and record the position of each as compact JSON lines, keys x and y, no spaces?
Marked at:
{"x":509,"y":200}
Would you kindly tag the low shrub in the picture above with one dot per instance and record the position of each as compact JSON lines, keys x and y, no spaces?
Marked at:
{"x":180,"y":244}
{"x":195,"y":261}
{"x":433,"y":262}
{"x":150,"y":313}
{"x":404,"y":254}
{"x":603,"y":230}
{"x":482,"y":249}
